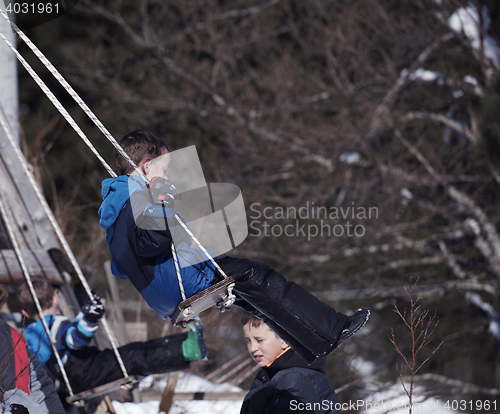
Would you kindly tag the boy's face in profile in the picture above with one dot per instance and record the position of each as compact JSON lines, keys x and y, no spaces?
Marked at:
{"x":158,"y":166}
{"x":263,"y":344}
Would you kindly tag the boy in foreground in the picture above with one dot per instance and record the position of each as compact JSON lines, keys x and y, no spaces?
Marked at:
{"x":286,"y":383}
{"x":140,"y":244}
{"x":86,"y":366}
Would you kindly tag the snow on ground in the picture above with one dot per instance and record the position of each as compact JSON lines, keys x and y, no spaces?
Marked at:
{"x":180,"y":407}
{"x":382,"y":398}
{"x":391,"y":399}
{"x":186,"y":383}
{"x":395,"y":401}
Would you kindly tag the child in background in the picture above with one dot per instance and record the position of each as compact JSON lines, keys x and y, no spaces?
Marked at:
{"x":286,"y":383}
{"x":86,"y":366}
{"x":23,"y":382}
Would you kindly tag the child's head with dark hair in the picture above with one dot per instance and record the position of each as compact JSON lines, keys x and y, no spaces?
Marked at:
{"x":248,"y":318}
{"x":44,"y":292}
{"x":138,"y":145}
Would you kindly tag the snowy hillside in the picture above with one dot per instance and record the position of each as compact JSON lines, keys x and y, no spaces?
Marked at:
{"x":392,"y":399}
{"x":186,"y":383}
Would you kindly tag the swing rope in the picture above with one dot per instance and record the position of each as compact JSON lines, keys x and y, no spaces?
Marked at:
{"x":94,"y":119}
{"x":59,"y":233}
{"x":188,"y":231}
{"x":178,"y":272}
{"x":13,"y":239}
{"x":78,"y":130}
{"x":50,"y":67}
{"x":56,"y":103}
{"x":70,"y":120}
{"x":230,"y":298}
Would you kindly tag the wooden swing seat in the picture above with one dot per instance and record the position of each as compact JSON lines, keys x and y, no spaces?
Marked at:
{"x":216,"y":294}
{"x":122,"y":383}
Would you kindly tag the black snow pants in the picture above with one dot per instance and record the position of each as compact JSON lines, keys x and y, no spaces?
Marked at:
{"x":89,"y":367}
{"x":310,"y":327}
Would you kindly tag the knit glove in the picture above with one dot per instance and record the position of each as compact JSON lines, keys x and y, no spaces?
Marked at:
{"x":162,"y":192}
{"x":194,"y":347}
{"x":93,"y":309}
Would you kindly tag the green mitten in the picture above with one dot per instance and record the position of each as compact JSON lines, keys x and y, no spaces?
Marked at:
{"x":194,"y":347}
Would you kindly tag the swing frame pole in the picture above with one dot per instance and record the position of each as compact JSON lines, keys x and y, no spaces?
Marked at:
{"x":7,"y":221}
{"x":60,"y":235}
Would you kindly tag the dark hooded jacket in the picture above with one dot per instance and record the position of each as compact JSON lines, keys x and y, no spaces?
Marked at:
{"x":288,"y":385}
{"x":140,"y":242}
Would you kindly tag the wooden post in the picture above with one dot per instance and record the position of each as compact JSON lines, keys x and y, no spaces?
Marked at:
{"x":38,"y":262}
{"x":8,"y":76}
{"x":115,"y":296}
{"x":167,"y":397}
{"x":219,"y":371}
{"x":109,"y":405}
{"x":139,"y":308}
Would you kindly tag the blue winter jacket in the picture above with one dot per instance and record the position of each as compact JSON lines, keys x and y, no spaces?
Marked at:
{"x":140,"y":246}
{"x":69,"y":336}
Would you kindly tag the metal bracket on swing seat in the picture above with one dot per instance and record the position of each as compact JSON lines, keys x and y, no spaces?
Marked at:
{"x":219,"y":295}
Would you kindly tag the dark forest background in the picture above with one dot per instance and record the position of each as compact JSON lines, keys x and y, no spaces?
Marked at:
{"x":319,"y":104}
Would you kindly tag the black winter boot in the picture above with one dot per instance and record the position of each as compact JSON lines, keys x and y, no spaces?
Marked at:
{"x":354,"y":324}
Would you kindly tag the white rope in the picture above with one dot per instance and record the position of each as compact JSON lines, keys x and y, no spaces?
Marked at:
{"x":200,"y":245}
{"x":94,"y":119}
{"x":85,"y":108}
{"x":13,"y":240}
{"x":74,"y":95}
{"x":57,"y":104}
{"x":74,"y":125}
{"x":59,"y":233}
{"x":179,"y":278}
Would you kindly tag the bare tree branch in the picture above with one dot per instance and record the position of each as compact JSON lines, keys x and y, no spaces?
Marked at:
{"x":456,"y":126}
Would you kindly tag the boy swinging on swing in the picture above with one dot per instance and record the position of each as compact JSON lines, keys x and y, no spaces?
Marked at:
{"x":142,"y":253}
